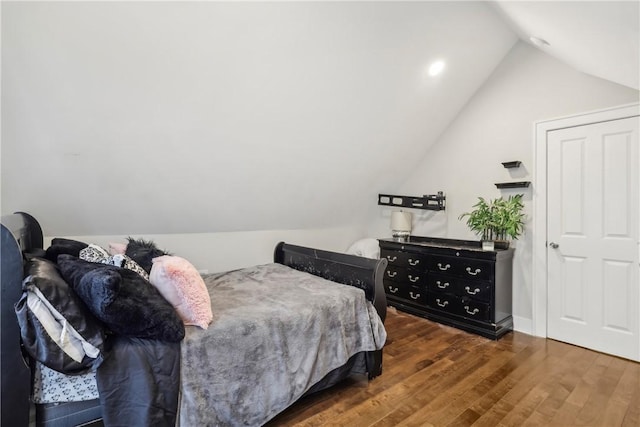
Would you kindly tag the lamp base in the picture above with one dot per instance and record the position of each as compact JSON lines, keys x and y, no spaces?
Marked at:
{"x":401,"y":236}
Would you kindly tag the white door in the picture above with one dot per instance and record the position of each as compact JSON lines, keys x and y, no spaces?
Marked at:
{"x":593,"y":189}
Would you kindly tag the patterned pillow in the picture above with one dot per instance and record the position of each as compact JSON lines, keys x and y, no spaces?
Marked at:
{"x":180,"y":283}
{"x":50,"y":386}
{"x":126,"y":262}
{"x":95,"y":253}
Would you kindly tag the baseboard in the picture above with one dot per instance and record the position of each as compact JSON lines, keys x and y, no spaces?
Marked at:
{"x":522,"y":324}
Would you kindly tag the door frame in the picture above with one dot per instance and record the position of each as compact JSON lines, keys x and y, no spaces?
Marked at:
{"x":539,"y":197}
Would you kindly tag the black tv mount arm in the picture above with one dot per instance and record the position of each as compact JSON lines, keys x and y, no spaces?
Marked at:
{"x":433,"y":202}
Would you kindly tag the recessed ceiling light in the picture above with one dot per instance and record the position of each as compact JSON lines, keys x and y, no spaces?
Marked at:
{"x":436,"y":68}
{"x":538,"y":41}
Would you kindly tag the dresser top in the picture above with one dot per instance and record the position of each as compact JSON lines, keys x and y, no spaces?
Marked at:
{"x":467,"y":246}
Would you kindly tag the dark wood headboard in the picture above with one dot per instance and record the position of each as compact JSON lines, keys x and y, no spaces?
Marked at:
{"x":19,"y":233}
{"x":363,"y":273}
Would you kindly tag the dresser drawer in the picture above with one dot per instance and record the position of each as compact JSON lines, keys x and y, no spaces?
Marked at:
{"x":460,"y":286}
{"x":478,"y":290}
{"x":414,"y":294}
{"x":441,"y":283}
{"x":405,"y":275}
{"x":472,"y":309}
{"x":447,"y":303}
{"x":403,"y":259}
{"x":463,"y":267}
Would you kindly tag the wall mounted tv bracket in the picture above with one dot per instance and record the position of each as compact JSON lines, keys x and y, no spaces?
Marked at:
{"x":432,"y":202}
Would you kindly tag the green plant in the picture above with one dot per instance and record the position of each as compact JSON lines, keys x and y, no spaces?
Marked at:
{"x":497,"y":219}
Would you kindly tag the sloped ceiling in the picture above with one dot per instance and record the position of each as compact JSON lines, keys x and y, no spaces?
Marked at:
{"x":601,"y":38}
{"x":163,"y":117}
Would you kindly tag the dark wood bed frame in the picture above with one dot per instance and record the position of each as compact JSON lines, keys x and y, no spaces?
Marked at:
{"x":21,"y":233}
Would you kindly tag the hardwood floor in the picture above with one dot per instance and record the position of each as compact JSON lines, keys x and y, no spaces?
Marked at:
{"x":434,"y":375}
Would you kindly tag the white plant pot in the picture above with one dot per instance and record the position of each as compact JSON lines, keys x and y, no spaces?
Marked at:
{"x":488,"y":245}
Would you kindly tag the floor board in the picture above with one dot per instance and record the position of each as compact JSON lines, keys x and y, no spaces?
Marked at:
{"x":435,"y":375}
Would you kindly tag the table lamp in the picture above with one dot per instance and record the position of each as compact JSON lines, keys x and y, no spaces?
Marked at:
{"x":401,"y":225}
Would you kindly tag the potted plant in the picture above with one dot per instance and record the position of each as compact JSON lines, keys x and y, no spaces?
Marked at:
{"x":496,"y":220}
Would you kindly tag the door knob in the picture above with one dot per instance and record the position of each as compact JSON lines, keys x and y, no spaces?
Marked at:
{"x":554,"y":245}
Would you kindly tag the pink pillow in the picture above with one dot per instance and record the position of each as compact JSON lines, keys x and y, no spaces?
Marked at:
{"x":117,"y":248}
{"x":180,"y":283}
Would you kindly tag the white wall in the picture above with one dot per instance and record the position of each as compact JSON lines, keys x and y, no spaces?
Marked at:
{"x":188,"y":117}
{"x":497,"y":126}
{"x":216,"y":252}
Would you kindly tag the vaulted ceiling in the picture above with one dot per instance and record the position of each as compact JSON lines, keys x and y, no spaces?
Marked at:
{"x":161,"y":117}
{"x":601,"y":38}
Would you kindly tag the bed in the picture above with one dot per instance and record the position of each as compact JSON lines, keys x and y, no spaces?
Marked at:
{"x":216,"y":386}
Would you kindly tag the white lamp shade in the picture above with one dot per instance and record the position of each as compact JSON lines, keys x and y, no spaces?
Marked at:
{"x":401,"y":221}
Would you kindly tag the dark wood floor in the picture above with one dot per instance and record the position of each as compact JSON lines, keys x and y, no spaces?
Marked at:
{"x":434,"y":375}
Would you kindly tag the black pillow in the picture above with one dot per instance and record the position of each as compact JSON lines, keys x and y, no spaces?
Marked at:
{"x":44,"y":286}
{"x":64,"y":246}
{"x":143,"y":252}
{"x":128,"y":304}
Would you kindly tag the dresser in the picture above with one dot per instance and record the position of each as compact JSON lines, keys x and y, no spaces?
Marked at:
{"x":453,"y":282}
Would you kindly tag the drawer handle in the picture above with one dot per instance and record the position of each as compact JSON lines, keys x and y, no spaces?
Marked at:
{"x":473,"y":273}
{"x":442,"y":285}
{"x":475,"y":291}
{"x":416,"y":296}
{"x":393,"y":290}
{"x":391,"y":259}
{"x":473,"y":313}
{"x":446,"y":267}
{"x":414,"y":279}
{"x":444,"y":304}
{"x":395,"y":273}
{"x":414,"y":263}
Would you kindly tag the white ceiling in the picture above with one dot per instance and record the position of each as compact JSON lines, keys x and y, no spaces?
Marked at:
{"x":601,"y":38}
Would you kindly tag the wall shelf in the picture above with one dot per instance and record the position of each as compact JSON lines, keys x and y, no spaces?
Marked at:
{"x":519,"y":184}
{"x":513,"y":164}
{"x":433,"y":202}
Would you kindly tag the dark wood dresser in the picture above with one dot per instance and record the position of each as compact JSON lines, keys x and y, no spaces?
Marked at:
{"x":453,"y":282}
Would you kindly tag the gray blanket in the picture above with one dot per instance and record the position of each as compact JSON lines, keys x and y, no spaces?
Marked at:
{"x":276,"y":331}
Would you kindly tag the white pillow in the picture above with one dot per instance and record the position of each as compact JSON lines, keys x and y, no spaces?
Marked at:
{"x":367,"y":248}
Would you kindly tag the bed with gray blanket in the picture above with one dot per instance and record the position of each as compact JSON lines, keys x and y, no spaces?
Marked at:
{"x":280,"y":331}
